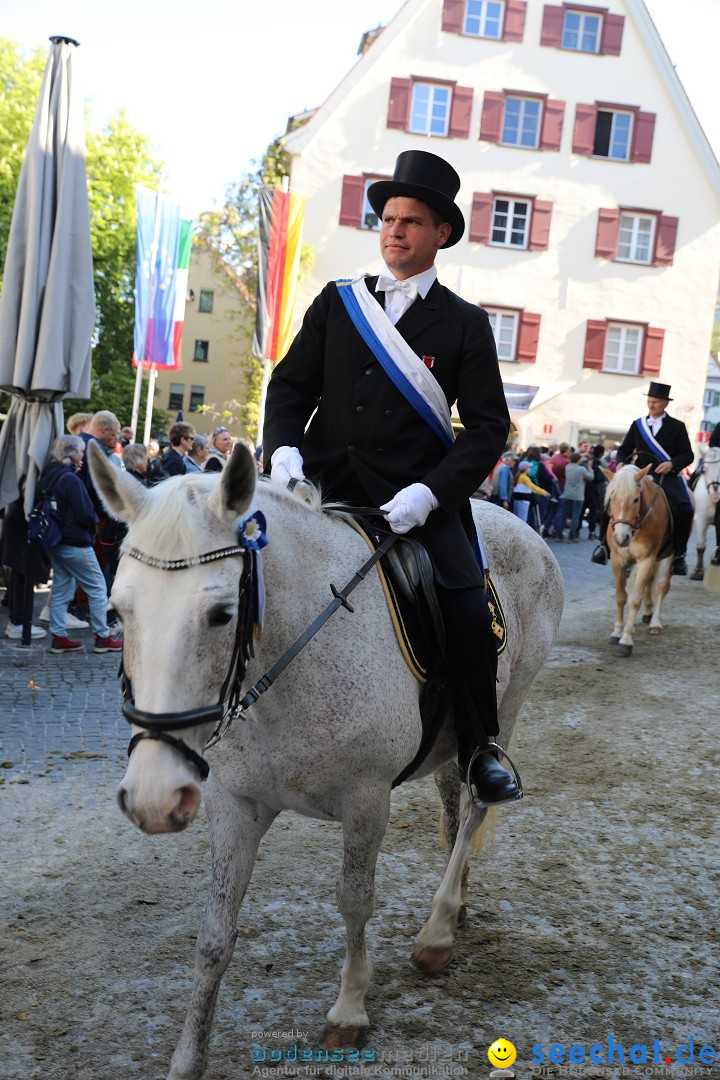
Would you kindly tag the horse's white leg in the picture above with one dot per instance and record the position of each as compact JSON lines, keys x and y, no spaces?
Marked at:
{"x":662,"y":589}
{"x":620,"y":599}
{"x":643,"y":576}
{"x":365,"y":819}
{"x":236,"y":829}
{"x":434,"y":943}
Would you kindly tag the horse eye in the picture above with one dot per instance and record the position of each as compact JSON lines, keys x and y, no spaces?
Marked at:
{"x":220,"y":616}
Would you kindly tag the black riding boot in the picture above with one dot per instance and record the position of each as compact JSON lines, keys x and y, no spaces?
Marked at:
{"x":472,"y":657}
{"x":682,"y":525}
{"x":601,"y":554}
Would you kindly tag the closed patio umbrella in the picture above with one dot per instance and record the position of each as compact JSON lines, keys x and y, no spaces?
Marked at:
{"x":47,"y":306}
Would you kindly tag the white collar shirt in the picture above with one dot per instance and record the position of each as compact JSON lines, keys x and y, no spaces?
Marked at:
{"x":655,"y":422}
{"x":399,"y":295}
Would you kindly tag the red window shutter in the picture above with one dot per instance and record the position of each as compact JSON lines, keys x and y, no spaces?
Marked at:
{"x":552,"y":123}
{"x":665,"y":238}
{"x":607,"y":234}
{"x":514,"y":28}
{"x":540,"y":225}
{"x":399,"y":106}
{"x":528,"y":335}
{"x":612,"y":32}
{"x":351,"y":203}
{"x":453,"y":16}
{"x":460,"y":112}
{"x":652,"y":351}
{"x":481,"y":218}
{"x":552,"y":25}
{"x":584,"y":134}
{"x":492,"y":116}
{"x":595,"y":344}
{"x":644,"y":129}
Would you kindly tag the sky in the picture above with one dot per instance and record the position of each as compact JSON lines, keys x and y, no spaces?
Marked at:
{"x":212,"y":83}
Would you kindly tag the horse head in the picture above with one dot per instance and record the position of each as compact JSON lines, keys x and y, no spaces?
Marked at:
{"x":711,"y":472}
{"x":623,"y":500}
{"x":175,"y":526}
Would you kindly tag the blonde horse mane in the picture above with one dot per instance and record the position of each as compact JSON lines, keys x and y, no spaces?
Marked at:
{"x":623,"y":483}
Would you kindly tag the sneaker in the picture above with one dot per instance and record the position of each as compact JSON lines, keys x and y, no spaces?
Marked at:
{"x":73,"y":623}
{"x":107,"y":644}
{"x":44,"y":615}
{"x":15,"y":632}
{"x":64,"y":644}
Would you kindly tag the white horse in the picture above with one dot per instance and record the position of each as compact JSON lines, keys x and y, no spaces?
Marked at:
{"x":707,"y":494}
{"x":329,"y":736}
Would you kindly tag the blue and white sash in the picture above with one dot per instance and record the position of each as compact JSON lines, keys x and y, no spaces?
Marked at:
{"x":406,"y":370}
{"x":659,"y":452}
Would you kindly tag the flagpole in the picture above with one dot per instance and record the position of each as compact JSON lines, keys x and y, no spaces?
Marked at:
{"x":140,"y":359}
{"x":136,"y":399}
{"x":151,"y":394}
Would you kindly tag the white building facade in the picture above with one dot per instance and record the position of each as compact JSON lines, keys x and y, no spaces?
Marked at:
{"x":590,"y":193}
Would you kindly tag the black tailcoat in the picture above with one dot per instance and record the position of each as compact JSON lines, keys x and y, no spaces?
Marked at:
{"x":675,"y":441}
{"x":366,"y":440}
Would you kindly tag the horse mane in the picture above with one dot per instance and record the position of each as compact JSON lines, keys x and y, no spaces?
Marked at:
{"x":623,"y":483}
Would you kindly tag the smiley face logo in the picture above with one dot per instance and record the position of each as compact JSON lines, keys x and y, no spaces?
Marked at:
{"x":502,"y":1053}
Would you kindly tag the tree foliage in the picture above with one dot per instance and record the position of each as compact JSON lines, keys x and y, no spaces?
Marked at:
{"x":118,"y":157}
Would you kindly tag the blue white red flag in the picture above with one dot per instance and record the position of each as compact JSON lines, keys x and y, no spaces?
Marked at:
{"x":160,"y":235}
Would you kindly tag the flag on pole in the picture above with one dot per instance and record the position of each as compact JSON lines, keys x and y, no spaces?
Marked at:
{"x":164,"y":242}
{"x":279,"y":244}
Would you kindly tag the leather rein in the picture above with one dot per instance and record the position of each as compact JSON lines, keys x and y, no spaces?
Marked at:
{"x":230,"y":705}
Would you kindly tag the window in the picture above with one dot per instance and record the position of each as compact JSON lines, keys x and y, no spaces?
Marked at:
{"x":581,"y":31}
{"x":483,"y":18}
{"x":504,"y":325}
{"x":516,"y":334}
{"x":616,"y":132}
{"x":637,"y":236}
{"x":622,"y":349}
{"x":496,"y":20}
{"x":176,"y":397}
{"x":513,"y":118}
{"x":202,"y":351}
{"x":430,"y":107}
{"x":206,"y":300}
{"x":355,"y":209}
{"x":612,"y":135}
{"x":521,"y":222}
{"x":510,"y":223}
{"x":711,"y":399}
{"x":521,"y":123}
{"x":197,"y":397}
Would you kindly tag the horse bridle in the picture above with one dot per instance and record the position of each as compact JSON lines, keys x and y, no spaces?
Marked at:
{"x":639,"y":521}
{"x":229,"y":706}
{"x":157,"y":725}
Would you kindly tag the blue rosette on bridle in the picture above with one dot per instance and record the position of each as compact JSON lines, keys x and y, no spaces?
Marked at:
{"x":251,"y":535}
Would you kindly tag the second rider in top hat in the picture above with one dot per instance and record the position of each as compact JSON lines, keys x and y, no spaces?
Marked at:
{"x":368,"y":444}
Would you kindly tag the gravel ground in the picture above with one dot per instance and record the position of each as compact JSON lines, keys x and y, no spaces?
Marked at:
{"x":592,"y":917}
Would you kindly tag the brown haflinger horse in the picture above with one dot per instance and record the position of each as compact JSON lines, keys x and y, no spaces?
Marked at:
{"x":639,"y":534}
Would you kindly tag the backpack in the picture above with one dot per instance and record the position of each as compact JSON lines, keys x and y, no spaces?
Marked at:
{"x":43,"y":528}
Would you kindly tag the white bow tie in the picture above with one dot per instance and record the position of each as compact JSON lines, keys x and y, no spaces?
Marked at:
{"x":389,"y":285}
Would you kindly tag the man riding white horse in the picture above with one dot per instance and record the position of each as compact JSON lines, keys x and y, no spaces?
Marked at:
{"x":662,"y":442}
{"x":380,"y":395}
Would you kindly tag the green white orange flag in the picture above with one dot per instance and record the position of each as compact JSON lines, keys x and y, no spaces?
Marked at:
{"x":279,"y":245}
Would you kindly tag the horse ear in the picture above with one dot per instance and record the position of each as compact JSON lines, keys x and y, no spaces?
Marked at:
{"x":606,"y":473}
{"x":234,"y":493}
{"x":643,"y":473}
{"x":123,"y":496}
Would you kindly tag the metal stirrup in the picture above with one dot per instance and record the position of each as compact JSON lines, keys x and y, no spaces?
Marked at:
{"x":493,"y":746}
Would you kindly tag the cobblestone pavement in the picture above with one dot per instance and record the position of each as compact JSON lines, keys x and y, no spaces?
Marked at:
{"x":59,"y":715}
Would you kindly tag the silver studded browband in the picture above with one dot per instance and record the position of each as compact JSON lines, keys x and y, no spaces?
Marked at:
{"x":183,"y":564}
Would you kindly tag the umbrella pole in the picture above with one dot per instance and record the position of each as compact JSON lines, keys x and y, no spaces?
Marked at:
{"x":28,"y":599}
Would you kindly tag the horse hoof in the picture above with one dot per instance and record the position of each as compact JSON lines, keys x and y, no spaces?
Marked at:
{"x":646,"y":618}
{"x":432,"y":959}
{"x":613,"y":640}
{"x":697,"y":575}
{"x":342,"y":1038}
{"x":655,"y":630}
{"x":624,"y":650}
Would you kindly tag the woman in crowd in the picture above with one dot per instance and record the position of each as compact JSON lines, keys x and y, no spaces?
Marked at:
{"x":221,"y":443}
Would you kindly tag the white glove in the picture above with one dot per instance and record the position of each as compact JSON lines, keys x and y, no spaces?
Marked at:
{"x":286,"y":464}
{"x":409,"y":508}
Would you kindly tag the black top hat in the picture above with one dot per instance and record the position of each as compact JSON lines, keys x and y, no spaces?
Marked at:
{"x":419,"y":175}
{"x":659,"y":390}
